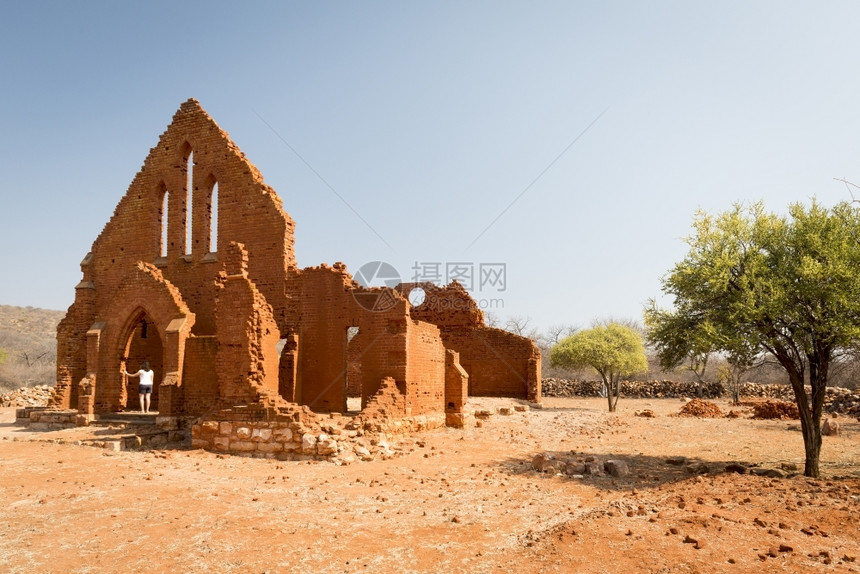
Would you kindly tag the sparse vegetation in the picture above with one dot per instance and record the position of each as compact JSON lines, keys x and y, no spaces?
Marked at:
{"x":613,"y":350}
{"x":756,"y":283}
{"x":28,"y":346}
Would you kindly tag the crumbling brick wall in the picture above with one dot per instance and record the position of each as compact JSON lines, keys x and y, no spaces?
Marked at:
{"x":193,"y":159}
{"x":246,"y":362}
{"x":195,"y":272}
{"x":499,"y":363}
{"x":425,"y":369}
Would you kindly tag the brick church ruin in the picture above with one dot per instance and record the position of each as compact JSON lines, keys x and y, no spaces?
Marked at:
{"x":195,"y":272}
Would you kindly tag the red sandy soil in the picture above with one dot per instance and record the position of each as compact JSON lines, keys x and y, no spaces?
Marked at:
{"x":453,"y":501}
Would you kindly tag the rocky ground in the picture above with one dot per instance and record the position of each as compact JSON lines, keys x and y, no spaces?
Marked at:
{"x":457,"y":501}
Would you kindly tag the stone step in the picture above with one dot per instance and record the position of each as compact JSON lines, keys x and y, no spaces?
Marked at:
{"x":126,"y":419}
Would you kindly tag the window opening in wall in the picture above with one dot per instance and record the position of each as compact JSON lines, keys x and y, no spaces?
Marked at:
{"x":189,"y":201}
{"x":352,"y":367}
{"x":164,"y":203}
{"x":213,"y":219}
{"x":417,"y":296}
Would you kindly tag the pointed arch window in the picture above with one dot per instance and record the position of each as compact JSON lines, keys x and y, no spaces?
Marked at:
{"x":162,"y":219}
{"x":189,"y":202}
{"x":213,"y":218}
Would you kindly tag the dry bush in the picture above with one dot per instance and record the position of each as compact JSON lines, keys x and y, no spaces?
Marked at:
{"x":15,"y":375}
{"x":28,"y":338}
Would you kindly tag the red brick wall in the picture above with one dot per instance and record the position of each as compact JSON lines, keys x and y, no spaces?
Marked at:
{"x":456,"y":383}
{"x":246,"y":360}
{"x":499,"y":363}
{"x":217,"y":316}
{"x":328,"y":308}
{"x":200,"y":381}
{"x":425,"y":369}
{"x":249,"y":211}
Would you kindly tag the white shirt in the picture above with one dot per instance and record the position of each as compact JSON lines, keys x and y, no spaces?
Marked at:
{"x":145,"y":377}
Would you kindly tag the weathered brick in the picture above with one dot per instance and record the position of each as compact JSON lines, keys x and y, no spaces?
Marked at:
{"x":207,"y":307}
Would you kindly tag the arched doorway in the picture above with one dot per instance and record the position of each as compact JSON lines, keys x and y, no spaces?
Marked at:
{"x":143,"y":343}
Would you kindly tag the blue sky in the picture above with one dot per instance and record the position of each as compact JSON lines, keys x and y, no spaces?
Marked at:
{"x":429,"y":120}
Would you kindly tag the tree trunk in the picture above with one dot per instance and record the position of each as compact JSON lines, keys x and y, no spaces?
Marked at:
{"x":613,"y":390}
{"x":810,"y":421}
{"x":812,"y":445}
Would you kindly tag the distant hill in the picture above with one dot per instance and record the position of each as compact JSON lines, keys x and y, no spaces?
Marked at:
{"x":28,"y":346}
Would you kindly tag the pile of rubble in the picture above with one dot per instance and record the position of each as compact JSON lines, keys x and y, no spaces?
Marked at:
{"x":775,"y":410}
{"x":700,"y":408}
{"x":836,"y":399}
{"x":27,"y":397}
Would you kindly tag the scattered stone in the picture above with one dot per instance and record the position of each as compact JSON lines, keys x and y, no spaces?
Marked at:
{"x":309,"y":443}
{"x":616,"y":468}
{"x":325,"y":444}
{"x":767,"y":472}
{"x":698,"y":468}
{"x":543,"y":462}
{"x":736,"y":467}
{"x":697,"y":543}
{"x":830,"y":428}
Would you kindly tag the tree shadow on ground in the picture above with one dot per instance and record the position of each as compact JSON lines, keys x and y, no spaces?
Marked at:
{"x":645,"y":472}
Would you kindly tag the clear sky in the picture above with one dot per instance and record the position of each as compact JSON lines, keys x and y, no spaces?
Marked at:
{"x":444,"y":125}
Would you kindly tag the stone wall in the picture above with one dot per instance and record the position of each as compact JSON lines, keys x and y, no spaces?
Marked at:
{"x":553,"y":387}
{"x":837,"y":399}
{"x":42,"y":419}
{"x":292,"y":432}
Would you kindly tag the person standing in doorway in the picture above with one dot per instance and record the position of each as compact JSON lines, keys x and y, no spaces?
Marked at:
{"x":145,"y":388}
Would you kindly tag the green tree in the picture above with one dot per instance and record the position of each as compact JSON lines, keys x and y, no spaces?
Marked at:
{"x":613,"y":350}
{"x":755,"y":282}
{"x":679,"y":340}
